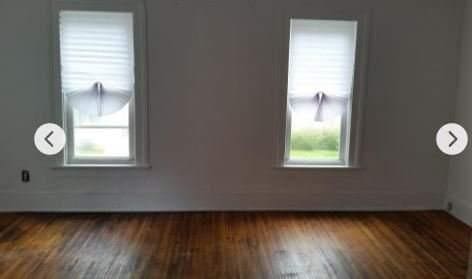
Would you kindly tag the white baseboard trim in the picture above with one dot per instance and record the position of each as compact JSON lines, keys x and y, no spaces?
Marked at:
{"x":150,"y":202}
{"x":461,"y":209}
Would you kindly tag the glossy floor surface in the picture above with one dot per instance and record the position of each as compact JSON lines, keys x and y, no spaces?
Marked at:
{"x":233,"y":245}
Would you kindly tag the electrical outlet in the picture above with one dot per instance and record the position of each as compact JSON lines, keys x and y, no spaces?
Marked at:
{"x":25,"y":176}
{"x":450,"y":206}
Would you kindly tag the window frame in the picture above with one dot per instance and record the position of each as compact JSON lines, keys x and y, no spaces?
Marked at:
{"x":354,"y":113}
{"x":138,"y":109}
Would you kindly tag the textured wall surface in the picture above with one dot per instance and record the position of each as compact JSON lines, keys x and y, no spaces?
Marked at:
{"x":460,"y":175}
{"x":214,"y":96}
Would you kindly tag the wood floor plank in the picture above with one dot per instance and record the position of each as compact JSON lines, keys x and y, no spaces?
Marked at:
{"x":428,"y":244}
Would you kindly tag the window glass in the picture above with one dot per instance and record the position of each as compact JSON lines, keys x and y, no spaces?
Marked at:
{"x":320,"y":78}
{"x":99,"y":142}
{"x":97,"y":81}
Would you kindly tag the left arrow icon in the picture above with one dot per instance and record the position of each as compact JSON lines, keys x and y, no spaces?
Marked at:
{"x":49,"y":139}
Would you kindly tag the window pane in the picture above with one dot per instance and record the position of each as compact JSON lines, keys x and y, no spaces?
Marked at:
{"x":101,"y":142}
{"x":119,"y":119}
{"x":317,"y":141}
{"x":320,"y":80}
{"x":97,"y":80}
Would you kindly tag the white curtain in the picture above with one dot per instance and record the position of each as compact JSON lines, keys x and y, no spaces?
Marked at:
{"x":321,"y":67}
{"x":97,"y":60}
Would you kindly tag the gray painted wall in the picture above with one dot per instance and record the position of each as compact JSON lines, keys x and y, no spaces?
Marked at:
{"x":214,"y":93}
{"x":460,"y":174}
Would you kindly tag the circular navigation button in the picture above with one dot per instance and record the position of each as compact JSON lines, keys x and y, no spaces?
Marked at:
{"x":49,"y":139}
{"x":452,"y":139}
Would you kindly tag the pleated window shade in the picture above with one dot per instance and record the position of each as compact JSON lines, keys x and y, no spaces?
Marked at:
{"x":97,"y":47}
{"x":321,"y":57}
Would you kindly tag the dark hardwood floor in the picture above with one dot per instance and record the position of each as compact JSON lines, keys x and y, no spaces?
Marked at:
{"x":233,"y":245}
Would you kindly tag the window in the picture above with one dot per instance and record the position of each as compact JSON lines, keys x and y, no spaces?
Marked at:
{"x":100,"y":83}
{"x":319,"y":91}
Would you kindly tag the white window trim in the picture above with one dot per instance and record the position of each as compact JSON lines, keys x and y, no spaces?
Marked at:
{"x":138,"y":121}
{"x":355,"y":108}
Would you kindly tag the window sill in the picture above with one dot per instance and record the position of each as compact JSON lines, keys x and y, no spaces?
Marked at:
{"x":102,"y":166}
{"x":311,"y":167}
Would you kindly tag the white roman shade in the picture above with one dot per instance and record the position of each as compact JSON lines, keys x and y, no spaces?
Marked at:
{"x":97,"y":60}
{"x":321,"y":67}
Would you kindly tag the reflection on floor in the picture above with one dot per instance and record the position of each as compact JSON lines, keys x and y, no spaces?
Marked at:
{"x":233,"y":245}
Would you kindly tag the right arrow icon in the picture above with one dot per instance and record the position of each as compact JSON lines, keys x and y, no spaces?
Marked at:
{"x":452,"y":139}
